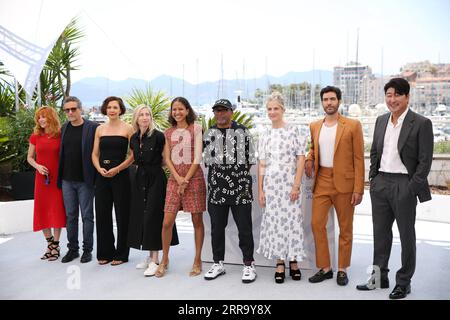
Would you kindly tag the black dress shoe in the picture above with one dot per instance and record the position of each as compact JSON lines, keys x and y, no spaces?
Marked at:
{"x":321,"y":275}
{"x":341,"y":278}
{"x":86,"y":257}
{"x":371,"y":284}
{"x":70,"y":255}
{"x":400,"y":292}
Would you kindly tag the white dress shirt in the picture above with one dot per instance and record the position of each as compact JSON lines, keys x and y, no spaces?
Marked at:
{"x":327,"y":139}
{"x":390,"y":159}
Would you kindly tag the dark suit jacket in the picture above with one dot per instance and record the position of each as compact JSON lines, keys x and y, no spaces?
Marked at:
{"x":415,"y":147}
{"x":87,"y":143}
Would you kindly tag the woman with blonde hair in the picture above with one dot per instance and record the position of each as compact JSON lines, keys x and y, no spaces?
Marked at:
{"x":148,"y":190}
{"x":281,"y":159}
{"x":43,"y":155}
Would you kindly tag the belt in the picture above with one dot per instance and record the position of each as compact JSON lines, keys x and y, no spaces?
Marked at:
{"x":389,"y":174}
{"x":109,"y":161}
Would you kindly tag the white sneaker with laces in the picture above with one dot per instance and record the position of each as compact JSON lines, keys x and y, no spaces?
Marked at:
{"x":217,"y":269}
{"x":249,"y":273}
{"x":151,"y":270}
{"x":143,"y":264}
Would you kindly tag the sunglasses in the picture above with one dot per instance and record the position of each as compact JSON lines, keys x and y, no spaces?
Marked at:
{"x":70,"y":110}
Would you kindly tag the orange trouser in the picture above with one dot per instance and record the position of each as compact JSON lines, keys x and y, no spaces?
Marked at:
{"x":325,"y":196}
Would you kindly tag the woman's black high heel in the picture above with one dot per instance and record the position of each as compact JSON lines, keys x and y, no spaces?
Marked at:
{"x":279,"y":276}
{"x":295,"y":274}
{"x":48,"y":254}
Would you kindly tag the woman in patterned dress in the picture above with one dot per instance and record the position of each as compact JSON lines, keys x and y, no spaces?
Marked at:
{"x":186,"y":189}
{"x":281,"y":159}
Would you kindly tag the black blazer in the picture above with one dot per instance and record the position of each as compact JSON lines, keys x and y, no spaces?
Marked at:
{"x":87,"y":144}
{"x":415,"y":147}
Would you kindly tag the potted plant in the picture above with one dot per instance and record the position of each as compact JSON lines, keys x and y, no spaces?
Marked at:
{"x":22,"y":178}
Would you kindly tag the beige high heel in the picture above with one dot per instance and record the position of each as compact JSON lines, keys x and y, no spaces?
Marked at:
{"x":161,"y":271}
{"x":196,"y":270}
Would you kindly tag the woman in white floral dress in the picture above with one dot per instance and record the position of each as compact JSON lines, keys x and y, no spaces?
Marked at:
{"x":281,"y":159}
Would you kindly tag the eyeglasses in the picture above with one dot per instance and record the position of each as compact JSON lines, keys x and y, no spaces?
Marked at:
{"x":67,"y":110}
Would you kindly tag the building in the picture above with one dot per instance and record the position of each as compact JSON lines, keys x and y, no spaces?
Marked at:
{"x":430,"y":85}
{"x":351,"y":79}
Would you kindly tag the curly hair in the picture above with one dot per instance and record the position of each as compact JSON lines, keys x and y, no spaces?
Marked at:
{"x":191,"y":117}
{"x":113,"y":98}
{"x":54,"y":126}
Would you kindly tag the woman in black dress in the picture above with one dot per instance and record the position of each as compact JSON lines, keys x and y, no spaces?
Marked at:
{"x":148,"y":190}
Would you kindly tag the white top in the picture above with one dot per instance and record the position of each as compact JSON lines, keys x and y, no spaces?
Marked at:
{"x":390,"y":159}
{"x":327,"y":138}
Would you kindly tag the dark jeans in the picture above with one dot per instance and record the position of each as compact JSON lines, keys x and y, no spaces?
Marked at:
{"x":242,"y":215}
{"x":79,"y":195}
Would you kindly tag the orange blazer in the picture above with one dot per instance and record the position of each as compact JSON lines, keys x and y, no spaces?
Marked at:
{"x":348,"y":161}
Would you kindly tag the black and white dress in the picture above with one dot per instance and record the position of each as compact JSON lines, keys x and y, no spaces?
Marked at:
{"x":281,"y":235}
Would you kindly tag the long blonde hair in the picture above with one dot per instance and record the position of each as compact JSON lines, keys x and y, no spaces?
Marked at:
{"x":134,"y":121}
{"x":54,"y":126}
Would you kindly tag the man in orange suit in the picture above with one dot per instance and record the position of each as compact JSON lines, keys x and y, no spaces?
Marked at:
{"x":336,"y":159}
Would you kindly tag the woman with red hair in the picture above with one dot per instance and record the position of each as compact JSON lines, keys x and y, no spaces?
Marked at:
{"x":43,"y":154}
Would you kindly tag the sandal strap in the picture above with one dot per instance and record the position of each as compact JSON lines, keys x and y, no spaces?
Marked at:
{"x":46,"y":256}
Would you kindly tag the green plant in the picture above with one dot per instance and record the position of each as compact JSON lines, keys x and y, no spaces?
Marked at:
{"x":238,"y":116}
{"x":55,"y":81}
{"x":442,"y":147}
{"x":55,"y":78}
{"x":20,"y":127}
{"x":157,"y":101}
{"x":6,"y":149}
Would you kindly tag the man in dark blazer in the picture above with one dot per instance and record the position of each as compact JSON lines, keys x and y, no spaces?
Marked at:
{"x":76,"y":177}
{"x":400,"y":160}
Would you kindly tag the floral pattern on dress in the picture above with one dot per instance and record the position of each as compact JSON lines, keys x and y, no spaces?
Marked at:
{"x":281,"y":234}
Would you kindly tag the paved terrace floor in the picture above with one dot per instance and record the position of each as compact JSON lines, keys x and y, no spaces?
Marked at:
{"x":24,"y":276}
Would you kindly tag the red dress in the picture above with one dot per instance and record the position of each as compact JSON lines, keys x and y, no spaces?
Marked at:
{"x":49,"y":209}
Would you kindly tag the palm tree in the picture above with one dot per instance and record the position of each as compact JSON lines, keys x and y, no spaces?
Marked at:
{"x":55,"y":81}
{"x":157,"y":101}
{"x":238,"y":116}
{"x":7,"y":99}
{"x":55,"y":78}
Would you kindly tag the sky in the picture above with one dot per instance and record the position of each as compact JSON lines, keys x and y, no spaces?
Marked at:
{"x":187,"y":39}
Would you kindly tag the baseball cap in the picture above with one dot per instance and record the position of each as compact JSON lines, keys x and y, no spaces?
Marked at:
{"x":224,"y":103}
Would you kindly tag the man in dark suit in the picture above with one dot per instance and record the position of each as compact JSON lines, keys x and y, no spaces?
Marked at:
{"x":400,"y":160}
{"x":76,"y":178}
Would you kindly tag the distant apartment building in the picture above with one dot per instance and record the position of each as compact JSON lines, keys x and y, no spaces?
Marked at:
{"x":355,"y":82}
{"x":430,"y":84}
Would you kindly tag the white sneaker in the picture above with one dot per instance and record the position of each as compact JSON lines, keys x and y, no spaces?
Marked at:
{"x":217,"y":269}
{"x":143,"y":264}
{"x":249,"y":273}
{"x":151,"y":270}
